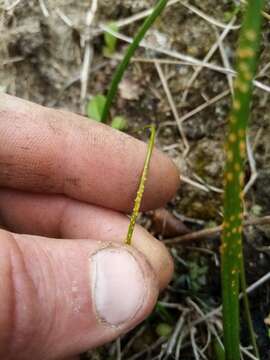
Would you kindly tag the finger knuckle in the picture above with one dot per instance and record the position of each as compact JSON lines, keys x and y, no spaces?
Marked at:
{"x":17,"y":300}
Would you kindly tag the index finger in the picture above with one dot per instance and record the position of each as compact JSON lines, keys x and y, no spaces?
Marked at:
{"x":52,"y":151}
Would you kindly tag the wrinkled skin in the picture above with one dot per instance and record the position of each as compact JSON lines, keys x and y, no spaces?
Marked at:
{"x":66,"y":184}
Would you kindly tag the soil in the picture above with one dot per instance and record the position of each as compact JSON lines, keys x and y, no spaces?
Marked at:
{"x":41,"y":57}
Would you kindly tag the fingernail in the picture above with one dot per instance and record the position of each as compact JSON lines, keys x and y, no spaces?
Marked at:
{"x":118,"y":285}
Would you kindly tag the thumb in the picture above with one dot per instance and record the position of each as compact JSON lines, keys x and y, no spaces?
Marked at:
{"x":61,"y":297}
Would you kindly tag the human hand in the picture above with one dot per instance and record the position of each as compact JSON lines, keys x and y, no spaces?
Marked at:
{"x":70,"y":284}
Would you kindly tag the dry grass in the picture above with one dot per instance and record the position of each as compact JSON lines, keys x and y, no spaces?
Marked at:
{"x":186,"y":87}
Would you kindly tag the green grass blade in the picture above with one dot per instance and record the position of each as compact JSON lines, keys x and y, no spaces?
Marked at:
{"x":247,"y":310}
{"x":218,"y":350}
{"x":140,"y":192}
{"x":235,"y":149}
{"x":119,"y":72}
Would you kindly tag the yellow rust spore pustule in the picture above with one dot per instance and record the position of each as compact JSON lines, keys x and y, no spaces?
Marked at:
{"x":241,"y":133}
{"x":243,"y":67}
{"x":242,"y":148}
{"x":229,"y":176}
{"x":242,"y":86}
{"x":232,"y":138}
{"x":236,"y":105}
{"x":241,"y":179}
{"x":250,"y":35}
{"x":230,"y":155}
{"x":232,"y":119}
{"x":237,"y":167}
{"x":245,"y":53}
{"x":247,"y":75}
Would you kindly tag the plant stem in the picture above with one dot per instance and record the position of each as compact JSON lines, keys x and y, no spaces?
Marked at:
{"x":247,"y":310}
{"x":231,"y":250}
{"x":119,"y":72}
{"x":140,"y":192}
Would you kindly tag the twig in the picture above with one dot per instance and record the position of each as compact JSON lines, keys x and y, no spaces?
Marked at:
{"x":133,"y":338}
{"x":217,"y":311}
{"x":13,"y":5}
{"x":173,"y":107}
{"x":193,"y":343}
{"x":226,"y":62}
{"x":209,"y":187}
{"x":205,"y":105}
{"x":43,"y":8}
{"x":179,"y":345}
{"x":207,"y":58}
{"x":258,"y":283}
{"x":136,"y":17}
{"x":213,"y":231}
{"x":263,"y":70}
{"x":64,"y":17}
{"x":177,"y":55}
{"x":143,"y":14}
{"x":200,"y":186}
{"x":91,"y":13}
{"x":87,"y":60}
{"x":12,"y":60}
{"x":88,"y":52}
{"x":152,"y":347}
{"x":209,"y":326}
{"x":208,"y":18}
{"x":172,"y":305}
{"x":246,"y":352}
{"x":252,"y":165}
{"x":135,"y":43}
{"x":194,"y":112}
{"x":177,"y":330}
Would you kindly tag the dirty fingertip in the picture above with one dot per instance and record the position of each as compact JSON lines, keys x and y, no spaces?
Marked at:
{"x":157,"y":255}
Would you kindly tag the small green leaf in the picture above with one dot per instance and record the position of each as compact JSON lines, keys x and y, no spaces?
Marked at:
{"x":164,"y":330}
{"x":119,"y":123}
{"x":110,"y":40}
{"x":95,"y":107}
{"x":218,"y":350}
{"x":140,"y":192}
{"x":121,"y":68}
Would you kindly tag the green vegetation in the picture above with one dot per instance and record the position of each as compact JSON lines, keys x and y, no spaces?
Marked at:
{"x":99,"y":106}
{"x":110,"y":41}
{"x":233,"y":274}
{"x":164,"y":330}
{"x":232,"y":252}
{"x":119,"y":72}
{"x":119,"y":123}
{"x":140,"y":192}
{"x":95,"y":107}
{"x":218,"y":350}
